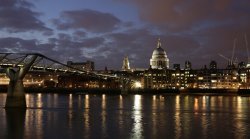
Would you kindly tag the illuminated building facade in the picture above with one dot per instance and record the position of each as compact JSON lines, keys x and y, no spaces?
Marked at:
{"x":157,"y":78}
{"x":205,"y":78}
{"x":86,"y":81}
{"x":170,"y":78}
{"x":86,"y":66}
{"x":218,"y":78}
{"x":244,"y":77}
{"x":34,"y":79}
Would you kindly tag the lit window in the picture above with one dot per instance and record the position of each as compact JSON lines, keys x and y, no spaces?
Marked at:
{"x":200,"y":78}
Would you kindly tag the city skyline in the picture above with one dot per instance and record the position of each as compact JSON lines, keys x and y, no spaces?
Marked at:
{"x":106,"y":33}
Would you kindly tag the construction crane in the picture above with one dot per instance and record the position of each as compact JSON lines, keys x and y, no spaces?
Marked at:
{"x":232,"y":61}
{"x":232,"y":58}
{"x":227,"y":59}
{"x":224,"y":57}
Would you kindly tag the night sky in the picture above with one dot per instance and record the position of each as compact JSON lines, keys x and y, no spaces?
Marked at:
{"x":105,"y":31}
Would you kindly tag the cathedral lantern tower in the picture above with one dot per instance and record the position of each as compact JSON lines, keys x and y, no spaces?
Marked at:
{"x":159,"y":58}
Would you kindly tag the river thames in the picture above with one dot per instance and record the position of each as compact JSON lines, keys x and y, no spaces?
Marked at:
{"x":80,"y":116}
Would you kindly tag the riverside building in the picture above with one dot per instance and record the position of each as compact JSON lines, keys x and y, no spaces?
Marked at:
{"x":160,"y":76}
{"x":86,"y":66}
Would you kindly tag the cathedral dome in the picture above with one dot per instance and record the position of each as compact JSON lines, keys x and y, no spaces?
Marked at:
{"x":159,"y":58}
{"x":159,"y":52}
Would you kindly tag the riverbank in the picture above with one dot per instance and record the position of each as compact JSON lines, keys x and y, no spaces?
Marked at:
{"x":95,"y":90}
{"x":134,"y":91}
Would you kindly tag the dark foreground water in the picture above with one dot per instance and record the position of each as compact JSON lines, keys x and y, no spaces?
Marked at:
{"x":132,"y":116}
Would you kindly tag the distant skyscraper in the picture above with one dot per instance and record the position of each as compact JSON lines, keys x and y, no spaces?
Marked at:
{"x":177,"y":66}
{"x":242,"y":65}
{"x":125,"y":65}
{"x":159,"y":58}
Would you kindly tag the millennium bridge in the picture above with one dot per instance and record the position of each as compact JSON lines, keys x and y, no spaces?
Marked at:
{"x":17,"y":65}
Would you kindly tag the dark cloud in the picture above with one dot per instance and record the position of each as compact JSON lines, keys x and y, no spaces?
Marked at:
{"x":18,"y":45}
{"x":17,"y":16}
{"x":93,"y":42}
{"x":11,"y":3}
{"x":182,"y":15}
{"x":63,"y":36}
{"x":67,"y":40}
{"x":90,"y":20}
{"x":54,"y":48}
{"x":79,"y":35}
{"x":65,"y":48}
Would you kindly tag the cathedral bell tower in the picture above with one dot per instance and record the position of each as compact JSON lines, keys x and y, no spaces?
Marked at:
{"x":125,"y":65}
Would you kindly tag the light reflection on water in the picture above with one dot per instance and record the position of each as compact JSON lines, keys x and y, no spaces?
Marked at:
{"x":240,"y":127}
{"x":177,"y":117}
{"x":104,"y":116}
{"x":128,"y":116}
{"x":120,"y":114}
{"x":86,"y":115}
{"x":137,"y":128}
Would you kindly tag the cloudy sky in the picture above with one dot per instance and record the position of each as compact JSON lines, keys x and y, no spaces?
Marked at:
{"x":105,"y":31}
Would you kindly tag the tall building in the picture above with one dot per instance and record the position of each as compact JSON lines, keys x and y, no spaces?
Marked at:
{"x":213,"y":65}
{"x":242,"y":65}
{"x":125,"y":65}
{"x":177,"y":66}
{"x":159,"y":58}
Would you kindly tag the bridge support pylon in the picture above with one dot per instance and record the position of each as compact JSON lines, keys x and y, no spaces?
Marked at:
{"x":15,"y":94}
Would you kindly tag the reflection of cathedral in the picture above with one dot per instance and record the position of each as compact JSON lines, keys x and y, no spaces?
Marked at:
{"x":159,"y":58}
{"x":125,"y":65}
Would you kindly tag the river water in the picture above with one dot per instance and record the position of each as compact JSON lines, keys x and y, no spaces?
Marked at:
{"x":72,"y":116}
